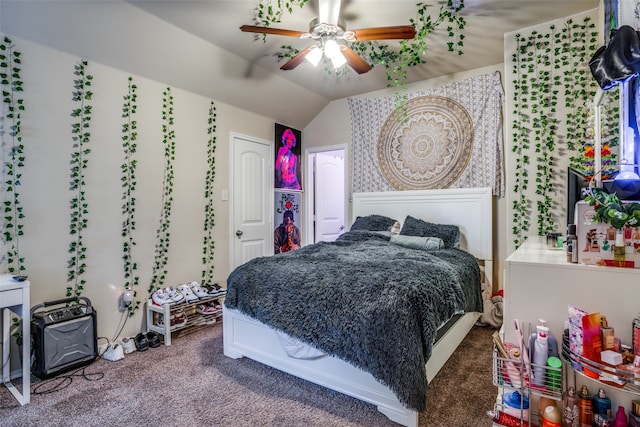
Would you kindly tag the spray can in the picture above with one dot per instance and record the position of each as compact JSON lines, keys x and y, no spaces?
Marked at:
{"x":572,"y":244}
{"x":585,"y":407}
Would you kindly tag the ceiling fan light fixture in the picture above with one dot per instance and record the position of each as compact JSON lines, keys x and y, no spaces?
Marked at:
{"x":338,"y":60}
{"x":314,"y":56}
{"x":332,"y":49}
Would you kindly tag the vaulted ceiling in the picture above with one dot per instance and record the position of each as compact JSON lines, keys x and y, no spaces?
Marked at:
{"x":197,"y":45}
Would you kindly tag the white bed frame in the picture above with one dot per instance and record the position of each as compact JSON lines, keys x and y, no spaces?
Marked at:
{"x":470,"y":209}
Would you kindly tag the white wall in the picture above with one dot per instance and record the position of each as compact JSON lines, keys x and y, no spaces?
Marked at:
{"x":333,"y":126}
{"x":46,"y":128}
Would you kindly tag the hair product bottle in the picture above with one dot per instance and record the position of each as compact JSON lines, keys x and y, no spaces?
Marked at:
{"x":552,"y":342}
{"x":601,"y":409}
{"x":572,"y":244}
{"x":585,"y":407}
{"x":551,"y":417}
{"x":570,"y":414}
{"x":540,"y":356}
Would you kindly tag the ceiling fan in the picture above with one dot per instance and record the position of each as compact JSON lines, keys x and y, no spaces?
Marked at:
{"x":328,"y":31}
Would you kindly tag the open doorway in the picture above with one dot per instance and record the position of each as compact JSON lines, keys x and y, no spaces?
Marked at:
{"x":325,"y":196}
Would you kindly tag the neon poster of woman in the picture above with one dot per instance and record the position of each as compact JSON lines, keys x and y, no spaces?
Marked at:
{"x":287,"y":162}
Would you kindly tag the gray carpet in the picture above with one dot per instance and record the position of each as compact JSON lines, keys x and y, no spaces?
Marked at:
{"x":191,"y":383}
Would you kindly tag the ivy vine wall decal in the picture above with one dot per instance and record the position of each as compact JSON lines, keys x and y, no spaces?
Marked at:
{"x":128,"y":168}
{"x":161,"y":255}
{"x":13,"y":158}
{"x":81,"y":136}
{"x":208,"y":244}
{"x":552,"y":94}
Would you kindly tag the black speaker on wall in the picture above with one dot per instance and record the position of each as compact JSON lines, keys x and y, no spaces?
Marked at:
{"x":64,"y":338}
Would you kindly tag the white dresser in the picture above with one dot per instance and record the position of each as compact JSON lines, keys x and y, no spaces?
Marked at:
{"x":539,"y":282}
{"x":14,"y":297}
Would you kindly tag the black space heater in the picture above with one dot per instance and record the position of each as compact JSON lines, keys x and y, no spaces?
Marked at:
{"x":64,"y":338}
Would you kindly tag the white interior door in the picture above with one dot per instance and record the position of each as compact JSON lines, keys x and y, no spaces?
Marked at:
{"x":329,"y":196}
{"x":252,"y":199}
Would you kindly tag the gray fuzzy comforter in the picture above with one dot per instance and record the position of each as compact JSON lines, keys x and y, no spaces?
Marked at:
{"x":363,"y":299}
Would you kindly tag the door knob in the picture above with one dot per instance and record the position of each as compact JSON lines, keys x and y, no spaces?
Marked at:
{"x":239,"y":233}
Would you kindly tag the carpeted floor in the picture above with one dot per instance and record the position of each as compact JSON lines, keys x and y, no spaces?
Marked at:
{"x":191,"y":383}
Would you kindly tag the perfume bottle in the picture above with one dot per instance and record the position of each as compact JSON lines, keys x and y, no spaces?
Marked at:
{"x":608,"y":337}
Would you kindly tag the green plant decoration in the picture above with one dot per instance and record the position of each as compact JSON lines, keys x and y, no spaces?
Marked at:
{"x":128,"y":168}
{"x":13,"y":156}
{"x":548,"y":65}
{"x":208,"y":244}
{"x":396,"y":62}
{"x":161,"y":255}
{"x":77,"y":266}
{"x":610,"y":209}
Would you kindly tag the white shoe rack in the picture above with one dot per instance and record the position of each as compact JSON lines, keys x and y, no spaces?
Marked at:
{"x":156,"y":312}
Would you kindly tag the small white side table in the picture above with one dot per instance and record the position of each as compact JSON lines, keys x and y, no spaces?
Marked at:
{"x":14,"y":297}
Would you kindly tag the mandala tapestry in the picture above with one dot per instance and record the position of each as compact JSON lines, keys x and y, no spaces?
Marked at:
{"x":452,"y":138}
{"x":430,"y":149}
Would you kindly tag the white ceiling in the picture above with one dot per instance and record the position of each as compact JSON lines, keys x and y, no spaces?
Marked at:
{"x":197,"y":44}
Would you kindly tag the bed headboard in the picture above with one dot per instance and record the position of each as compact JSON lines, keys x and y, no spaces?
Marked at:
{"x":469,"y":208}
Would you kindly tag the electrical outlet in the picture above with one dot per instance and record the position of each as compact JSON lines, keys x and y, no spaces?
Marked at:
{"x":127,"y":297}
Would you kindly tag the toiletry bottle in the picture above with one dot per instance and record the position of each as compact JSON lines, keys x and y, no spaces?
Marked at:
{"x":585,"y":407}
{"x":516,"y":404}
{"x":608,"y":337}
{"x":634,"y":415}
{"x":504,"y":419}
{"x":619,"y":250}
{"x":621,"y":418}
{"x":601,"y":409}
{"x":552,"y":342}
{"x":540,"y":356}
{"x":572,"y":244}
{"x":570,"y":414}
{"x":635,"y":328}
{"x":514,"y":368}
{"x":551,"y":417}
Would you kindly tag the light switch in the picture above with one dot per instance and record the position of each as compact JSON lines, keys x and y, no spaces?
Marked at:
{"x":225,"y":194}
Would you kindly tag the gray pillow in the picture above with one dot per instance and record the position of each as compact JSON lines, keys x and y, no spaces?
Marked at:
{"x":450,"y":234}
{"x":418,"y":242}
{"x":373,"y":223}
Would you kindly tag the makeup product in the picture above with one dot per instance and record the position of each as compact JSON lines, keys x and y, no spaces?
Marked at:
{"x":585,"y":407}
{"x":608,"y":337}
{"x":570,"y":413}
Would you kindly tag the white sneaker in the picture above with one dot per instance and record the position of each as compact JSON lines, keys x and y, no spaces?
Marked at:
{"x":199,"y":290}
{"x":114,"y":352}
{"x":161,"y":297}
{"x":128,"y":345}
{"x":188,"y":293}
{"x":174,"y":295}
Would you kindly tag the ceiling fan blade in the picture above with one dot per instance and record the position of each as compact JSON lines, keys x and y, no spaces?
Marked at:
{"x":329,"y":11}
{"x":298,"y":59}
{"x":269,"y":30}
{"x":399,"y":32}
{"x":354,"y":60}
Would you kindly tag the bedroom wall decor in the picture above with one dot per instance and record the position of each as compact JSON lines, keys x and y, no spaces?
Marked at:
{"x":13,"y":158}
{"x":450,"y":137}
{"x":287,"y":213}
{"x":288,"y":163}
{"x":161,"y":253}
{"x":552,"y":91}
{"x":128,"y":169}
{"x":81,"y":136}
{"x":208,"y":243}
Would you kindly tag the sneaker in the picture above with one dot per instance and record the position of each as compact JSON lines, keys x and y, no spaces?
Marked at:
{"x":114,"y":352}
{"x":189,"y":296}
{"x":181,"y":319}
{"x":199,"y":290}
{"x":128,"y":346}
{"x":153,"y":339}
{"x":206,"y":309}
{"x":161,"y":297}
{"x":141,"y":342}
{"x":174,"y":295}
{"x":215,"y":290}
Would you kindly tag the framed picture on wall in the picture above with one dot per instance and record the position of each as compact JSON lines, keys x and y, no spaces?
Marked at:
{"x":288,"y":164}
{"x":288,"y":217}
